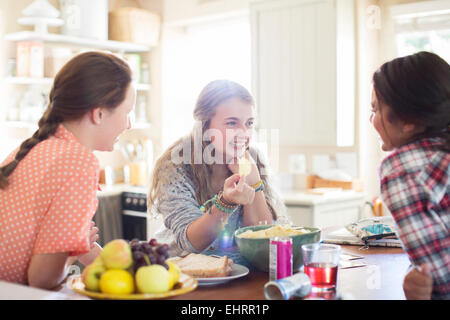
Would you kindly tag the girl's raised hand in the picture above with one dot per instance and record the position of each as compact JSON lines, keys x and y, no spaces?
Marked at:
{"x":237,"y":191}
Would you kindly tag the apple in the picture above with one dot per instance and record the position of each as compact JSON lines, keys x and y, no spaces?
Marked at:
{"x":117,"y":255}
{"x":91,"y":276}
{"x":152,"y":279}
{"x":98,"y":261}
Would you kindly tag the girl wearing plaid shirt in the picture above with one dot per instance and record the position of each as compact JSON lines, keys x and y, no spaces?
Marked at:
{"x":411,"y":113}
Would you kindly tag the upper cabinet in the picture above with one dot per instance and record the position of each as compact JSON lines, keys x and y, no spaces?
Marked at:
{"x":304,"y":70}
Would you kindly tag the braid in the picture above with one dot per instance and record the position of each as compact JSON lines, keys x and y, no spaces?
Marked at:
{"x":47,"y":126}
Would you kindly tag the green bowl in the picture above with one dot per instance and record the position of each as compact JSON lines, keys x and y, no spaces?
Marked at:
{"x":256,"y":251}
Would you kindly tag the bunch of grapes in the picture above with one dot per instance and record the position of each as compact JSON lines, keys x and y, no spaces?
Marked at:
{"x":146,"y":253}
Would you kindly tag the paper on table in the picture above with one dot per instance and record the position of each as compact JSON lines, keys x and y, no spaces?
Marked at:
{"x":350,"y":256}
{"x":346,"y":264}
{"x":346,"y":260}
{"x":343,"y":236}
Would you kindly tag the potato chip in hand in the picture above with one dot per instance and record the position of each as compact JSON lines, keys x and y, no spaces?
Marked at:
{"x":245,"y":167}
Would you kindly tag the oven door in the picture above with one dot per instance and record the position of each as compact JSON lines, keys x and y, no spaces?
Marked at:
{"x":134,"y":225}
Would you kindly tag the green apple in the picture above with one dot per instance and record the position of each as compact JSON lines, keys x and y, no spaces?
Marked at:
{"x":91,"y":276}
{"x":152,"y":279}
{"x":98,"y":261}
{"x":117,"y":255}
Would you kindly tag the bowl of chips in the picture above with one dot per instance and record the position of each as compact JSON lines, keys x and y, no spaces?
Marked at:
{"x":254,"y":242}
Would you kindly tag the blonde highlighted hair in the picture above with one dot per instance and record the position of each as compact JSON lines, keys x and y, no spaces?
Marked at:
{"x":215,"y":93}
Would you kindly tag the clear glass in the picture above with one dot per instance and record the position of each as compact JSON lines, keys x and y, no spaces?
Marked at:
{"x":321,"y":262}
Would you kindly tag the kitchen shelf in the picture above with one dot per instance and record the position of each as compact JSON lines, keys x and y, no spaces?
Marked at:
{"x":49,"y":81}
{"x":77,"y":41}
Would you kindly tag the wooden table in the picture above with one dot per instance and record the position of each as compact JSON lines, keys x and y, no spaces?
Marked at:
{"x":381,"y":279}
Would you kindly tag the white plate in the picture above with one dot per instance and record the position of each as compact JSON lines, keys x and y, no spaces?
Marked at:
{"x":237,"y":271}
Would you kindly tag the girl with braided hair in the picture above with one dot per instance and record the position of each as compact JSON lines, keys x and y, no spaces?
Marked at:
{"x":48,"y":185}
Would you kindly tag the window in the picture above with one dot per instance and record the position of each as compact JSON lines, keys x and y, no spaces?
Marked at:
{"x":436,"y":41}
{"x":423,"y":26}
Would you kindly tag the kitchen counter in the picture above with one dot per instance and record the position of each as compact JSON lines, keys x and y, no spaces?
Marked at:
{"x":118,"y":189}
{"x":336,"y":208}
{"x":301,"y":198}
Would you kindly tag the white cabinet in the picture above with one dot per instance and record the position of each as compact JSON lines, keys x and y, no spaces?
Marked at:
{"x":303,"y":69}
{"x":323,"y":211}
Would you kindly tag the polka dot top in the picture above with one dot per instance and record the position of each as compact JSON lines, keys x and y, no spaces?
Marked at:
{"x":48,"y":205}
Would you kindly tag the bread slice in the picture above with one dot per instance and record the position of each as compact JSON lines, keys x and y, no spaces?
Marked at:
{"x":203,"y":266}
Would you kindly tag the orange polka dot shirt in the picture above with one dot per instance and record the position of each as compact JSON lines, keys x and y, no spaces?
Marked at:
{"x":48,"y":205}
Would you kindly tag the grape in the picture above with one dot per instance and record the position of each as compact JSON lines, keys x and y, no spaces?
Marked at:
{"x":160,"y":260}
{"x":146,"y":247}
{"x":148,"y":250}
{"x":153,"y":259}
{"x":160,"y":250}
{"x":138,"y":256}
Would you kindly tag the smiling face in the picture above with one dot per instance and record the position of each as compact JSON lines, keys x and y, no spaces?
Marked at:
{"x":392,"y":133}
{"x":232,"y":128}
{"x":116,"y":121}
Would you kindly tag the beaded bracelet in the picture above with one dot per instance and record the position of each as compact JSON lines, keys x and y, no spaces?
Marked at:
{"x":220,"y":204}
{"x":258,"y":186}
{"x":224,"y":209}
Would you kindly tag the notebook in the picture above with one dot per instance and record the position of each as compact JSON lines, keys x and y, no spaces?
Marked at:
{"x":343,"y":236}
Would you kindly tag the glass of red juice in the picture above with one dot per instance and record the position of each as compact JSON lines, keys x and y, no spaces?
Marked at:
{"x":321,"y":263}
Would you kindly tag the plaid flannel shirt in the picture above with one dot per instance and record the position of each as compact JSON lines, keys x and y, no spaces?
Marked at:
{"x":415,"y":186}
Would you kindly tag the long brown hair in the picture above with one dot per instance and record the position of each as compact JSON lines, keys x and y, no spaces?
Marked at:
{"x":416,"y":89}
{"x":88,"y":81}
{"x":215,"y":93}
